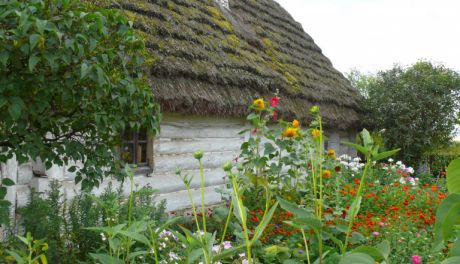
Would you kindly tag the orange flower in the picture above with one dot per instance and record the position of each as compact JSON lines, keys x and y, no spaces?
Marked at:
{"x":295,"y":123}
{"x":331,"y":153}
{"x":434,"y":188}
{"x":326,"y":174}
{"x":259,"y":104}
{"x":316,"y":133}
{"x":290,"y":132}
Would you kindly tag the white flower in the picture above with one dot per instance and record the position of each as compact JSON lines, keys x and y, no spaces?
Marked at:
{"x":103,"y":237}
{"x":399,"y":163}
{"x":227,"y":244}
{"x":216,"y":248}
{"x":390,"y":160}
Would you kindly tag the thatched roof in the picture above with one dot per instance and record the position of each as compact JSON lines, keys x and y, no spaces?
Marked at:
{"x":213,"y":61}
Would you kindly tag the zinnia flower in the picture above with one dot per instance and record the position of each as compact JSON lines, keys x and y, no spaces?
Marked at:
{"x":316,"y":133}
{"x":295,"y":123}
{"x":375,"y":233}
{"x":259,"y":104}
{"x":326,"y":174}
{"x":416,"y":259}
{"x":290,"y":132}
{"x":274,"y":101}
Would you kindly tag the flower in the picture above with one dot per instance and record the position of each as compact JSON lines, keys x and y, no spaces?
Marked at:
{"x":390,"y":160}
{"x":316,"y":133}
{"x":331,"y":153}
{"x":326,"y":174}
{"x":375,"y":233}
{"x":314,"y":109}
{"x":259,"y":104}
{"x":290,"y":132}
{"x":416,"y":259}
{"x":274,"y":101}
{"x":295,"y":123}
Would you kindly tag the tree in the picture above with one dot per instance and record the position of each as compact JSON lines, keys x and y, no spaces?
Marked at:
{"x":72,"y":78}
{"x":414,"y":108}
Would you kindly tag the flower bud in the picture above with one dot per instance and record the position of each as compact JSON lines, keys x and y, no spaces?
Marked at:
{"x":228,"y":166}
{"x":314,"y":109}
{"x":198,"y":154}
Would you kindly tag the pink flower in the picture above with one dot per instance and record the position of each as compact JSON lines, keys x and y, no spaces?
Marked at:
{"x":416,"y":259}
{"x":381,"y":224}
{"x":274,"y":101}
{"x":418,"y":235}
{"x":375,"y":233}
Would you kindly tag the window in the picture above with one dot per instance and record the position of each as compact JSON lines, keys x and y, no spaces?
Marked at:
{"x":135,"y":148}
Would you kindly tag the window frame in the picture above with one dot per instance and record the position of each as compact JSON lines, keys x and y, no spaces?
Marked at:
{"x":134,"y":140}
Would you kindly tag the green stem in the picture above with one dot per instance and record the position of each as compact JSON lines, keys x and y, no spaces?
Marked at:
{"x":154,"y":246}
{"x":203,"y":208}
{"x":230,"y":211}
{"x":354,"y":204}
{"x":130,"y":209}
{"x":243,"y":218}
{"x":306,"y":245}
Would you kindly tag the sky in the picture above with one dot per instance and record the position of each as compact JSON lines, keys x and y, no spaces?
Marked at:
{"x":372,"y":35}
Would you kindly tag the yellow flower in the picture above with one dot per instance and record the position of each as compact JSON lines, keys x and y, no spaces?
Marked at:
{"x":290,"y":132}
{"x":326,"y":174}
{"x":295,"y":123}
{"x":316,"y":133}
{"x":259,"y":104}
{"x":331,"y":153}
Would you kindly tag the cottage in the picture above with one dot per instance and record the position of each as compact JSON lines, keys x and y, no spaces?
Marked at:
{"x":212,"y":58}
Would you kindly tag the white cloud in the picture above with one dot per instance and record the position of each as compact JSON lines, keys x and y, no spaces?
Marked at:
{"x":374,"y":34}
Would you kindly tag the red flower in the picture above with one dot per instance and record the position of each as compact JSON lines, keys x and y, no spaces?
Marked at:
{"x":274,"y":101}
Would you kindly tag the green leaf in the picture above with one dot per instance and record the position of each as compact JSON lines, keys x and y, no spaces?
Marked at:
{"x":106,"y":259}
{"x":294,"y":208}
{"x":455,"y":250}
{"x":359,"y":148}
{"x":4,"y":56}
{"x":33,"y":60}
{"x":445,"y":206}
{"x":305,"y":223}
{"x":33,"y":40}
{"x":262,"y":225}
{"x":3,"y":101}
{"x":450,"y":220}
{"x":453,"y":176}
{"x":367,"y":139}
{"x":136,"y":236}
{"x":84,"y":70}
{"x":385,"y":154}
{"x":2,"y":192}
{"x":16,"y":257}
{"x":352,"y":212}
{"x":370,"y":251}
{"x":228,"y":252}
{"x":357,"y":258}
{"x":451,"y":260}
{"x":384,"y":248}
{"x":7,"y":182}
{"x":15,"y":111}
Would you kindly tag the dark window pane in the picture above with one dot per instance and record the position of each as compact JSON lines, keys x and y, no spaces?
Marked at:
{"x":128,"y":136}
{"x":127,"y":153}
{"x":142,"y":135}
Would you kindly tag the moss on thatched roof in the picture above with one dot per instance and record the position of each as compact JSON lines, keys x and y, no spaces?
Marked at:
{"x":213,"y":61}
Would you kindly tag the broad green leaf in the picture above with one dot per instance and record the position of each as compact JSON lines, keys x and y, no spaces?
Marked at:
{"x":453,"y":176}
{"x":2,"y":192}
{"x":451,"y":201}
{"x":7,"y":182}
{"x":15,"y":111}
{"x":84,"y":70}
{"x":33,"y":40}
{"x":385,"y":154}
{"x":4,"y":56}
{"x":136,"y":236}
{"x":370,"y":251}
{"x":384,"y":248}
{"x":305,"y":222}
{"x":357,"y":258}
{"x":33,"y":60}
{"x":106,"y":259}
{"x":354,"y":208}
{"x":262,"y":225}
{"x":359,"y":148}
{"x":294,"y":208}
{"x":228,"y":252}
{"x":455,"y":250}
{"x":367,"y":139}
{"x":451,"y":260}
{"x":16,"y":257}
{"x":450,"y":220}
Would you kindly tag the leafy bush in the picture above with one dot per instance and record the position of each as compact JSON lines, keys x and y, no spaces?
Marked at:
{"x":64,"y":223}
